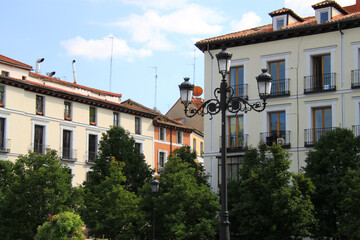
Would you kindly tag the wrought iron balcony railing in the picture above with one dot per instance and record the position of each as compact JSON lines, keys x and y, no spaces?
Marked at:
{"x":280,"y":87}
{"x":312,"y":135}
{"x":281,"y":138}
{"x":240,"y":90}
{"x":356,"y":130}
{"x":236,"y":142}
{"x":320,"y":83}
{"x":68,"y":154}
{"x":39,"y":148}
{"x":355,"y":78}
{"x":90,"y":156}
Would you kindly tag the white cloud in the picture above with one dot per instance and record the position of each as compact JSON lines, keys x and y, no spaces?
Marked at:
{"x":248,"y":20}
{"x":101,"y":48}
{"x":303,"y":8}
{"x":156,"y":29}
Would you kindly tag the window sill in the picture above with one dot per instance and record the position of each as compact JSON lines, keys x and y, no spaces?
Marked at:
{"x":39,"y":113}
{"x":67,"y":118}
{"x":93,"y":123}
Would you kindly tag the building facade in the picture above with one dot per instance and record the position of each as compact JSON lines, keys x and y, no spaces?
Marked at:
{"x":314,"y":62}
{"x":39,"y":112}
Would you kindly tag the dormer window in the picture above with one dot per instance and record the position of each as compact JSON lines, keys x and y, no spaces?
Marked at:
{"x":283,"y":17}
{"x":327,"y":10}
{"x":324,"y":16}
{"x":279,"y":22}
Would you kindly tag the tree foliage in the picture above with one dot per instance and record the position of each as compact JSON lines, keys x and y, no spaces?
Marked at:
{"x":334,"y":155}
{"x":110,"y":210}
{"x":188,"y":156}
{"x":63,"y":226}
{"x":35,"y":186}
{"x":269,"y":202}
{"x":117,"y":144}
{"x":184,"y":208}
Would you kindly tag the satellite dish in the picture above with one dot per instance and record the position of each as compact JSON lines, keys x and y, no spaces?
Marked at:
{"x":197,"y":91}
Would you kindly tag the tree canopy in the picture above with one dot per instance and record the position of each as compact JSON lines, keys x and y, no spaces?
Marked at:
{"x":328,"y":165}
{"x":35,"y":186}
{"x":269,"y":202}
{"x":185,"y":208}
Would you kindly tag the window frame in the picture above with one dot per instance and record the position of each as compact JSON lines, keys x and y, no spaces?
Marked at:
{"x":236,"y":86}
{"x":72,"y":141}
{"x":5,"y":142}
{"x":44,"y":124}
{"x":92,"y":118}
{"x":237,"y":132}
{"x":179,"y":137}
{"x":67,"y":110}
{"x":162,"y":134}
{"x":116,"y":119}
{"x":158,"y":159}
{"x":2,"y":95}
{"x":276,"y":19}
{"x":278,"y":121}
{"x":138,"y":125}
{"x":5,"y":73}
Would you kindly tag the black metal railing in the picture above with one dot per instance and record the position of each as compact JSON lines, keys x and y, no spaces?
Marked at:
{"x":281,"y":138}
{"x":91,"y":156}
{"x":280,"y":87}
{"x":68,"y":154}
{"x":312,"y":135}
{"x":356,"y":130}
{"x":4,"y":145}
{"x":236,"y":142}
{"x":355,"y":78}
{"x":240,"y":90}
{"x":320,"y":83}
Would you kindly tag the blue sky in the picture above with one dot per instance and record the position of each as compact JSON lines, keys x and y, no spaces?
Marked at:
{"x":144,"y":34}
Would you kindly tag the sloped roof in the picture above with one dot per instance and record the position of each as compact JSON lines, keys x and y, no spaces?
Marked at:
{"x":13,"y":62}
{"x":265,"y":33}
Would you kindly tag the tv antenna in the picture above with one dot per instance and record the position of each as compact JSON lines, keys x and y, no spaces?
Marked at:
{"x":111,"y":58}
{"x":155,"y":84}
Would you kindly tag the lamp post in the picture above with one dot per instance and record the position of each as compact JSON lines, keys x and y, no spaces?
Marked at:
{"x":154,"y":189}
{"x":227,"y":102}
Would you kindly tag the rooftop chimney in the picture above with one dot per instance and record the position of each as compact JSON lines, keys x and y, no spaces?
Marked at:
{"x":74,"y":71}
{"x":37,"y":70}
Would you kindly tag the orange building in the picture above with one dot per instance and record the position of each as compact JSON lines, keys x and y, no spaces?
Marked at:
{"x":169,"y":135}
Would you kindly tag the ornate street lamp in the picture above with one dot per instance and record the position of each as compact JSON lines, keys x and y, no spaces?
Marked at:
{"x":233,"y":104}
{"x":154,"y":189}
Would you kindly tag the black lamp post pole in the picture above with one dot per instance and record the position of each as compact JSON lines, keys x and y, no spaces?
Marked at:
{"x":224,"y":214}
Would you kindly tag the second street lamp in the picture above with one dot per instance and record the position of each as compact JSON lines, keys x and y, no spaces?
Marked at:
{"x":222,"y":103}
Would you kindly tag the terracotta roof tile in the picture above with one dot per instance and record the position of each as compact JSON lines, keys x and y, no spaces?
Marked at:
{"x":285,"y":11}
{"x":329,"y":3}
{"x":11,"y":61}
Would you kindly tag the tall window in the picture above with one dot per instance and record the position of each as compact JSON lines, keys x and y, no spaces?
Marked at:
{"x":2,"y":96}
{"x":67,"y":110}
{"x":277,"y":71}
{"x":115,"y":119}
{"x":66,"y":146}
{"x":39,"y":105}
{"x":322,"y":122}
{"x":236,"y":132}
{"x":324,"y":16}
{"x":162,"y":134}
{"x":277,"y":124}
{"x":138,"y":146}
{"x":92,"y":115}
{"x":92,"y":148}
{"x":179,"y":137}
{"x":162,"y":159}
{"x":2,"y":135}
{"x":194,"y":144}
{"x":39,"y":139}
{"x":236,"y":77}
{"x":321,"y":67}
{"x":137,"y":125}
{"x":201,"y":148}
{"x":4,"y":74}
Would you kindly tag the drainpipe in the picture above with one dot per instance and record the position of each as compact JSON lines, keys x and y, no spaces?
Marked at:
{"x":342,"y":72}
{"x":211,"y":122}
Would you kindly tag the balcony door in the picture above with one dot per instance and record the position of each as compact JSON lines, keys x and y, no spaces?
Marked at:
{"x":322,"y":122}
{"x":321,"y":68}
{"x":277,"y":126}
{"x":39,"y":139}
{"x":277,"y":71}
{"x":236,"y":132}
{"x":237,"y":80}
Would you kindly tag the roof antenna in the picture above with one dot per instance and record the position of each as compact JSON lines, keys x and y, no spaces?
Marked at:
{"x":155,"y":84}
{"x":111,"y":59}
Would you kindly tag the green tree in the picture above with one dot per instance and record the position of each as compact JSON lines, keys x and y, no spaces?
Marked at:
{"x":39,"y":185}
{"x":110,"y":210}
{"x":188,"y":156}
{"x":64,"y":226}
{"x":333,"y":156}
{"x":269,"y":202}
{"x":185,"y":208}
{"x":117,"y":143}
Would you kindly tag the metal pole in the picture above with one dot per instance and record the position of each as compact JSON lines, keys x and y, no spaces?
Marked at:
{"x":154,"y":222}
{"x":224,"y":214}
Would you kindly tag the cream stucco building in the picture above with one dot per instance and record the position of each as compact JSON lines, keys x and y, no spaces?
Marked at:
{"x":39,"y":112}
{"x":314,"y":62}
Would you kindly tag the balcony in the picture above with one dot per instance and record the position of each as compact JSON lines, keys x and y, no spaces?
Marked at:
{"x":355,"y":78}
{"x":280,"y":87}
{"x":90,"y":157}
{"x":240,"y":90}
{"x":4,"y":145}
{"x":312,"y":135}
{"x":38,"y":148}
{"x":68,"y":154}
{"x":281,"y":138}
{"x":356,"y":130}
{"x":235,"y":143}
{"x":320,"y":83}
